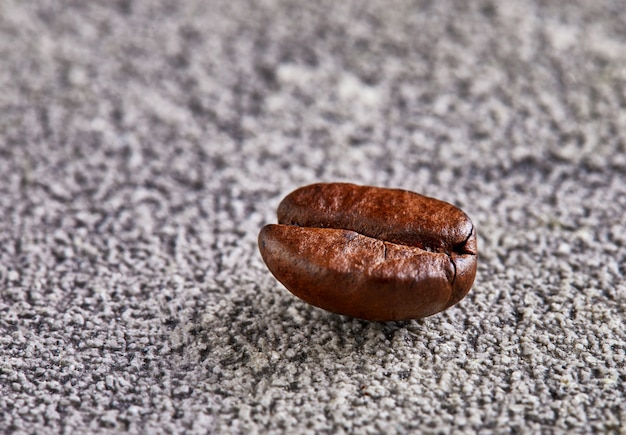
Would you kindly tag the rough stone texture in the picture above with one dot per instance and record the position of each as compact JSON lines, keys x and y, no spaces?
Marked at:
{"x":144,"y":144}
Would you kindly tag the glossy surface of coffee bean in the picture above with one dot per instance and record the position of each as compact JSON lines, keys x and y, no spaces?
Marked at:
{"x":370,"y":252}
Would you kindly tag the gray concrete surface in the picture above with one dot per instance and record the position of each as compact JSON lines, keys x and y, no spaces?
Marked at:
{"x":144,"y":144}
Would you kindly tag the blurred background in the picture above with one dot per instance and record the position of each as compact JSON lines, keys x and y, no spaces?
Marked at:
{"x":144,"y":144}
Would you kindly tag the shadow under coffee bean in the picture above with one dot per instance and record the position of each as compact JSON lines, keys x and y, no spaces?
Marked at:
{"x":369,"y":252}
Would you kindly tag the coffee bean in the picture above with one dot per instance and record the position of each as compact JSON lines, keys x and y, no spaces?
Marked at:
{"x":371,"y":252}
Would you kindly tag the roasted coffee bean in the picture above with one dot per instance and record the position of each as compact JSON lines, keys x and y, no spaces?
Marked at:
{"x":370,"y":252}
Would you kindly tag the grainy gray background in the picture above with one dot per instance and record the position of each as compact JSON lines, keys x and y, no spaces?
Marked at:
{"x":144,"y":143}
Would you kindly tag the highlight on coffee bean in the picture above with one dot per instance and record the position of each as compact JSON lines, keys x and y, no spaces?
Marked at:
{"x":370,"y":252}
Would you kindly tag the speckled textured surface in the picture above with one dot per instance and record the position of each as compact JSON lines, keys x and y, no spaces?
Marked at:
{"x":144,"y":144}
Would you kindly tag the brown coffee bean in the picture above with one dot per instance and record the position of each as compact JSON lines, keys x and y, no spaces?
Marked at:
{"x":370,"y":252}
